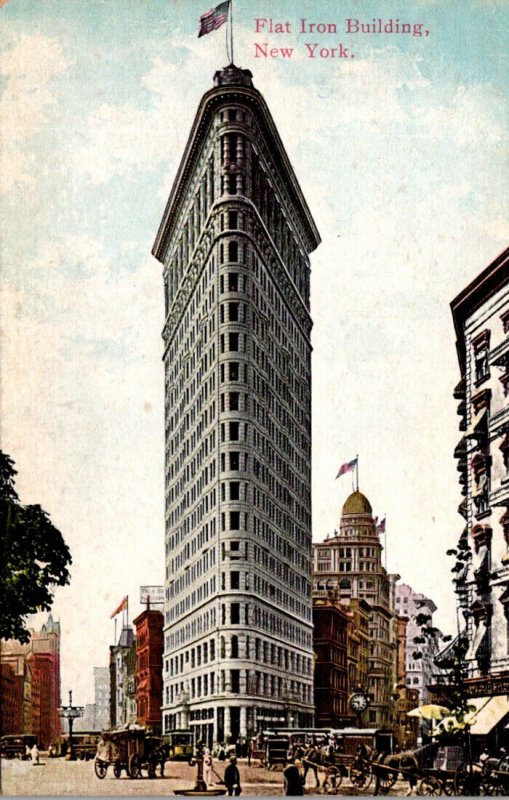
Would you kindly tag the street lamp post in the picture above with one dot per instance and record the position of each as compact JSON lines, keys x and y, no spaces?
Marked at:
{"x":70,"y":713}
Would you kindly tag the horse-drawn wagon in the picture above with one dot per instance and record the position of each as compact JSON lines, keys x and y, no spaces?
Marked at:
{"x":129,"y":749}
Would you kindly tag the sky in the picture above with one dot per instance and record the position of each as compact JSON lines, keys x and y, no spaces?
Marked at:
{"x":400,"y":147}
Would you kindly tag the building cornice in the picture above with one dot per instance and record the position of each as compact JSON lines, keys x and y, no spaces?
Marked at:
{"x":210,"y":102}
{"x":484,"y":286}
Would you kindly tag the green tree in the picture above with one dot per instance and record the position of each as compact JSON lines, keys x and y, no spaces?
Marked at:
{"x":33,"y":558}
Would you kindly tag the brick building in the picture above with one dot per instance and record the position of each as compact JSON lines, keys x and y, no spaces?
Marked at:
{"x":149,"y":668}
{"x":331,"y":623}
{"x":36,"y":691}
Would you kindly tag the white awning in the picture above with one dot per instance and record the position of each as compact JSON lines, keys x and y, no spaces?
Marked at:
{"x":472,"y":428}
{"x":490,"y":711}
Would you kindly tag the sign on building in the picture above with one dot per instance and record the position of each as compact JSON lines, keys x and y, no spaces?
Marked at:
{"x":152,"y":594}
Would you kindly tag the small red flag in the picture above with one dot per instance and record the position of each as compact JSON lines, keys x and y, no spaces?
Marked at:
{"x":214,"y":18}
{"x":121,"y":607}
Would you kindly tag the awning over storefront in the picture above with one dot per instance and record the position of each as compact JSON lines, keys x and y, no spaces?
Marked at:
{"x":490,"y":711}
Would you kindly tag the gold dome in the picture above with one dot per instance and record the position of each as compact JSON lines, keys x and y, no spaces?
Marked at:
{"x":357,"y":503}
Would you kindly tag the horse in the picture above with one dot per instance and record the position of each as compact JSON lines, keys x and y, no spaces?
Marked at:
{"x":311,"y":760}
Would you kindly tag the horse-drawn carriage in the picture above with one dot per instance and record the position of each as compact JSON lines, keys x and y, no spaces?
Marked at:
{"x":129,"y":749}
{"x":433,"y":770}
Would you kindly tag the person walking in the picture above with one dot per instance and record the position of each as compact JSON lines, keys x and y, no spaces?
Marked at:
{"x":293,"y":780}
{"x":208,"y":767}
{"x":35,"y":754}
{"x":232,"y":778}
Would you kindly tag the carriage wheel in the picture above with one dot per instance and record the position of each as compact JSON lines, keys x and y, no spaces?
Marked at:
{"x":490,"y":786}
{"x":117,"y":769}
{"x":333,"y":778}
{"x":360,"y":776}
{"x":100,"y":768}
{"x":430,"y":787}
{"x":387,"y":779}
{"x":134,"y":767}
{"x":466,"y":784}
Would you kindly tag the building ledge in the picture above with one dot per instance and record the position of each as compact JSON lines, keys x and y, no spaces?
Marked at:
{"x":499,"y":356}
{"x":500,"y":496}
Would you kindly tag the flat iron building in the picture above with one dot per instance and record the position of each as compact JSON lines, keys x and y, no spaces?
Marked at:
{"x":234,"y":243}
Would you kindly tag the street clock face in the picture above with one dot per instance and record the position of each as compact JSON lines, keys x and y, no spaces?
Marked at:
{"x":358,"y":702}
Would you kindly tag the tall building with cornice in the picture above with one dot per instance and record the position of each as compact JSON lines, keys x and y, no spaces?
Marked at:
{"x":481,"y":319}
{"x":234,"y":242}
{"x":349,"y":565}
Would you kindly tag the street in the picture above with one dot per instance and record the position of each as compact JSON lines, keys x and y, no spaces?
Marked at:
{"x":74,"y":778}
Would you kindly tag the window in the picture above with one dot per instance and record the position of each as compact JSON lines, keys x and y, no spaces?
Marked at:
{"x":235,"y":647}
{"x":234,"y":490}
{"x":234,"y":520}
{"x":234,"y":461}
{"x":233,"y":251}
{"x":233,"y":342}
{"x":235,"y":613}
{"x":235,"y":580}
{"x":235,"y":680}
{"x":233,"y":282}
{"x":233,"y":220}
{"x":481,"y":345}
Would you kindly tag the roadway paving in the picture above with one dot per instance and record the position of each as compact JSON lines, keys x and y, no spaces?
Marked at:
{"x":57,"y":777}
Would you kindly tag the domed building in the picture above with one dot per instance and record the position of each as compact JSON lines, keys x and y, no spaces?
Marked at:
{"x":348,"y":571}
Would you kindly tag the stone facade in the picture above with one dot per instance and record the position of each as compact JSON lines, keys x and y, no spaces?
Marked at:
{"x":419,"y":671}
{"x":123,"y":679}
{"x":349,"y":563}
{"x":102,"y":698}
{"x":234,"y":244}
{"x":481,"y":318}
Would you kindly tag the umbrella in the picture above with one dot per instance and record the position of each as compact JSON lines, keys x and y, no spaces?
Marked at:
{"x":430,"y":711}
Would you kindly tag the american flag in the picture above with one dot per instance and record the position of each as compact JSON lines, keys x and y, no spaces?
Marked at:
{"x":348,"y":466}
{"x":214,"y":18}
{"x":381,"y":526}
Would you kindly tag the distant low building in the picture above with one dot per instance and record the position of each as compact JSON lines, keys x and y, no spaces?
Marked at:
{"x":36,"y":691}
{"x":419,"y":671}
{"x":102,"y":698}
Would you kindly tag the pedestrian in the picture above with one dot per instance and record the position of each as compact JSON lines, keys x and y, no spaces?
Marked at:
{"x":232,"y":778}
{"x":28,"y":754}
{"x":208,"y":767}
{"x":221,"y":755}
{"x":293,"y":780}
{"x":35,"y":754}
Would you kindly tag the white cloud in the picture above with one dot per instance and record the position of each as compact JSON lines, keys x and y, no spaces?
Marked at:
{"x":28,"y":67}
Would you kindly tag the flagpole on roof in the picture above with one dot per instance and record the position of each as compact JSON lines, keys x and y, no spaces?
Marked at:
{"x":357,"y":470}
{"x":231,"y":29}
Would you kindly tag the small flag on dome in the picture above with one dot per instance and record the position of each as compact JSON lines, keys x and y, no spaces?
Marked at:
{"x":348,"y":466}
{"x":214,"y":18}
{"x":381,"y":527}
